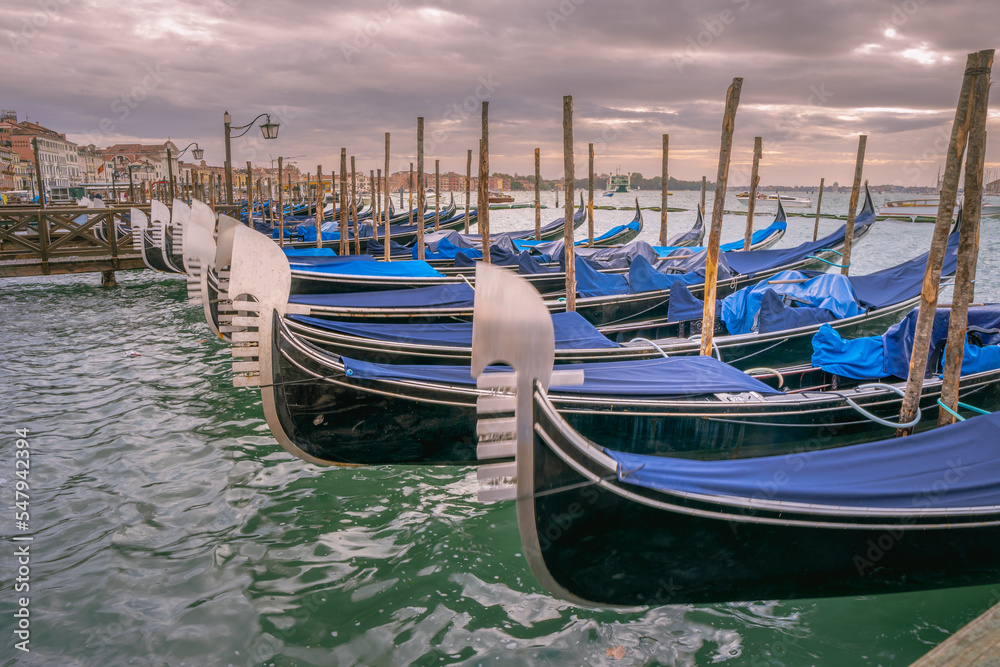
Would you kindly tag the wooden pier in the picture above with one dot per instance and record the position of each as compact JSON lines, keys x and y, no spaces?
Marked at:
{"x":975,"y":645}
{"x":37,"y":241}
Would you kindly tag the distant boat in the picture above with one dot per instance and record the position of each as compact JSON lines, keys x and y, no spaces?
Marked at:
{"x":787,"y":201}
{"x":926,"y":207}
{"x":500,"y":198}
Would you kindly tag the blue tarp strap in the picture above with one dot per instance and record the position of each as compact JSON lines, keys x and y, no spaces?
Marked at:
{"x":962,"y":405}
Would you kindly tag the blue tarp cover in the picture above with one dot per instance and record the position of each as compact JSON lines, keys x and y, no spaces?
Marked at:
{"x":904,"y":473}
{"x":310,"y":252}
{"x":888,"y":355}
{"x":305,"y":261}
{"x":831,"y":291}
{"x":572,"y":332}
{"x":591,"y":282}
{"x":442,"y":296}
{"x":668,"y":376}
{"x":757,"y":237}
{"x":369,"y":268}
{"x":749,"y":263}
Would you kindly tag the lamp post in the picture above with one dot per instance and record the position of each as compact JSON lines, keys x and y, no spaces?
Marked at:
{"x":197,"y":154}
{"x":268,"y":129}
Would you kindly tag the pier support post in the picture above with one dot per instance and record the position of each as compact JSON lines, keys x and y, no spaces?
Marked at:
{"x":108,"y":279}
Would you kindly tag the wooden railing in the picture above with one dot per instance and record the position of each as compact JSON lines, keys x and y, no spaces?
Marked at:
{"x":65,"y":239}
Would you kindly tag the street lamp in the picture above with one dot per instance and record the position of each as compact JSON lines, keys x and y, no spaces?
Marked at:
{"x":197,"y":153}
{"x":144,"y":165}
{"x":268,"y":129}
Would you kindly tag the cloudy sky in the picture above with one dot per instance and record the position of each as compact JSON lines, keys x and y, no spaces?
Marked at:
{"x":343,"y":73}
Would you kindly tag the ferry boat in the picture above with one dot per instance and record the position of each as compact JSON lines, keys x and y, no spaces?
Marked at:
{"x":926,"y":207}
{"x":618,"y":183}
{"x":787,"y":201}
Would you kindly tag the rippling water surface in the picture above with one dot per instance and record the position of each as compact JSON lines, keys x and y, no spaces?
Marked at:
{"x":170,"y":529}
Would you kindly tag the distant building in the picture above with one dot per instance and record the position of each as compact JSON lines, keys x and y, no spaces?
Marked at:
{"x":57,"y":156}
{"x":147,"y":162}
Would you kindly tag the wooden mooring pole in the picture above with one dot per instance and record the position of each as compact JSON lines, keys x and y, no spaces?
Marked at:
{"x":420,"y":187}
{"x":468,"y":187}
{"x":569,"y":174}
{"x":715,"y":232}
{"x":384,"y":205}
{"x":852,"y":207}
{"x":319,"y":205}
{"x":281,"y":203}
{"x":819,"y":202}
{"x":484,"y":182}
{"x":754,"y":180}
{"x":345,"y":241}
{"x":703,"y":194}
{"x":354,"y":208}
{"x":968,"y":242}
{"x":590,"y":197}
{"x":663,"y":191}
{"x":935,"y":257}
{"x":538,"y":197}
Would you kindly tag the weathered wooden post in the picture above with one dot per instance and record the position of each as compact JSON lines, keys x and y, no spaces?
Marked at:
{"x":968,"y":242}
{"x":281,"y":204}
{"x":354,"y":208}
{"x":819,"y":202}
{"x":715,"y":233}
{"x":170,"y":176}
{"x":538,"y":198}
{"x":569,"y":174}
{"x":376,"y":201}
{"x":935,"y":257}
{"x":345,"y":240}
{"x":557,"y":196}
{"x":211,"y":184}
{"x":754,"y":180}
{"x":437,"y":195}
{"x":386,"y":234}
{"x":703,"y":196}
{"x":853,"y":205}
{"x":249,"y":195}
{"x":590,"y":199}
{"x":484,"y":182}
{"x":663,"y":191}
{"x":420,"y":187}
{"x":319,"y":205}
{"x":468,"y":187}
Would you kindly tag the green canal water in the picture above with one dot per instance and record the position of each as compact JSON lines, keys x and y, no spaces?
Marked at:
{"x":170,"y":529}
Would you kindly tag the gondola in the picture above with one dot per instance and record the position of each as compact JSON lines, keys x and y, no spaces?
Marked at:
{"x":602,"y":299}
{"x":326,"y":408}
{"x":147,"y":237}
{"x":400,"y":231}
{"x":603,"y":526}
{"x":782,"y":335}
